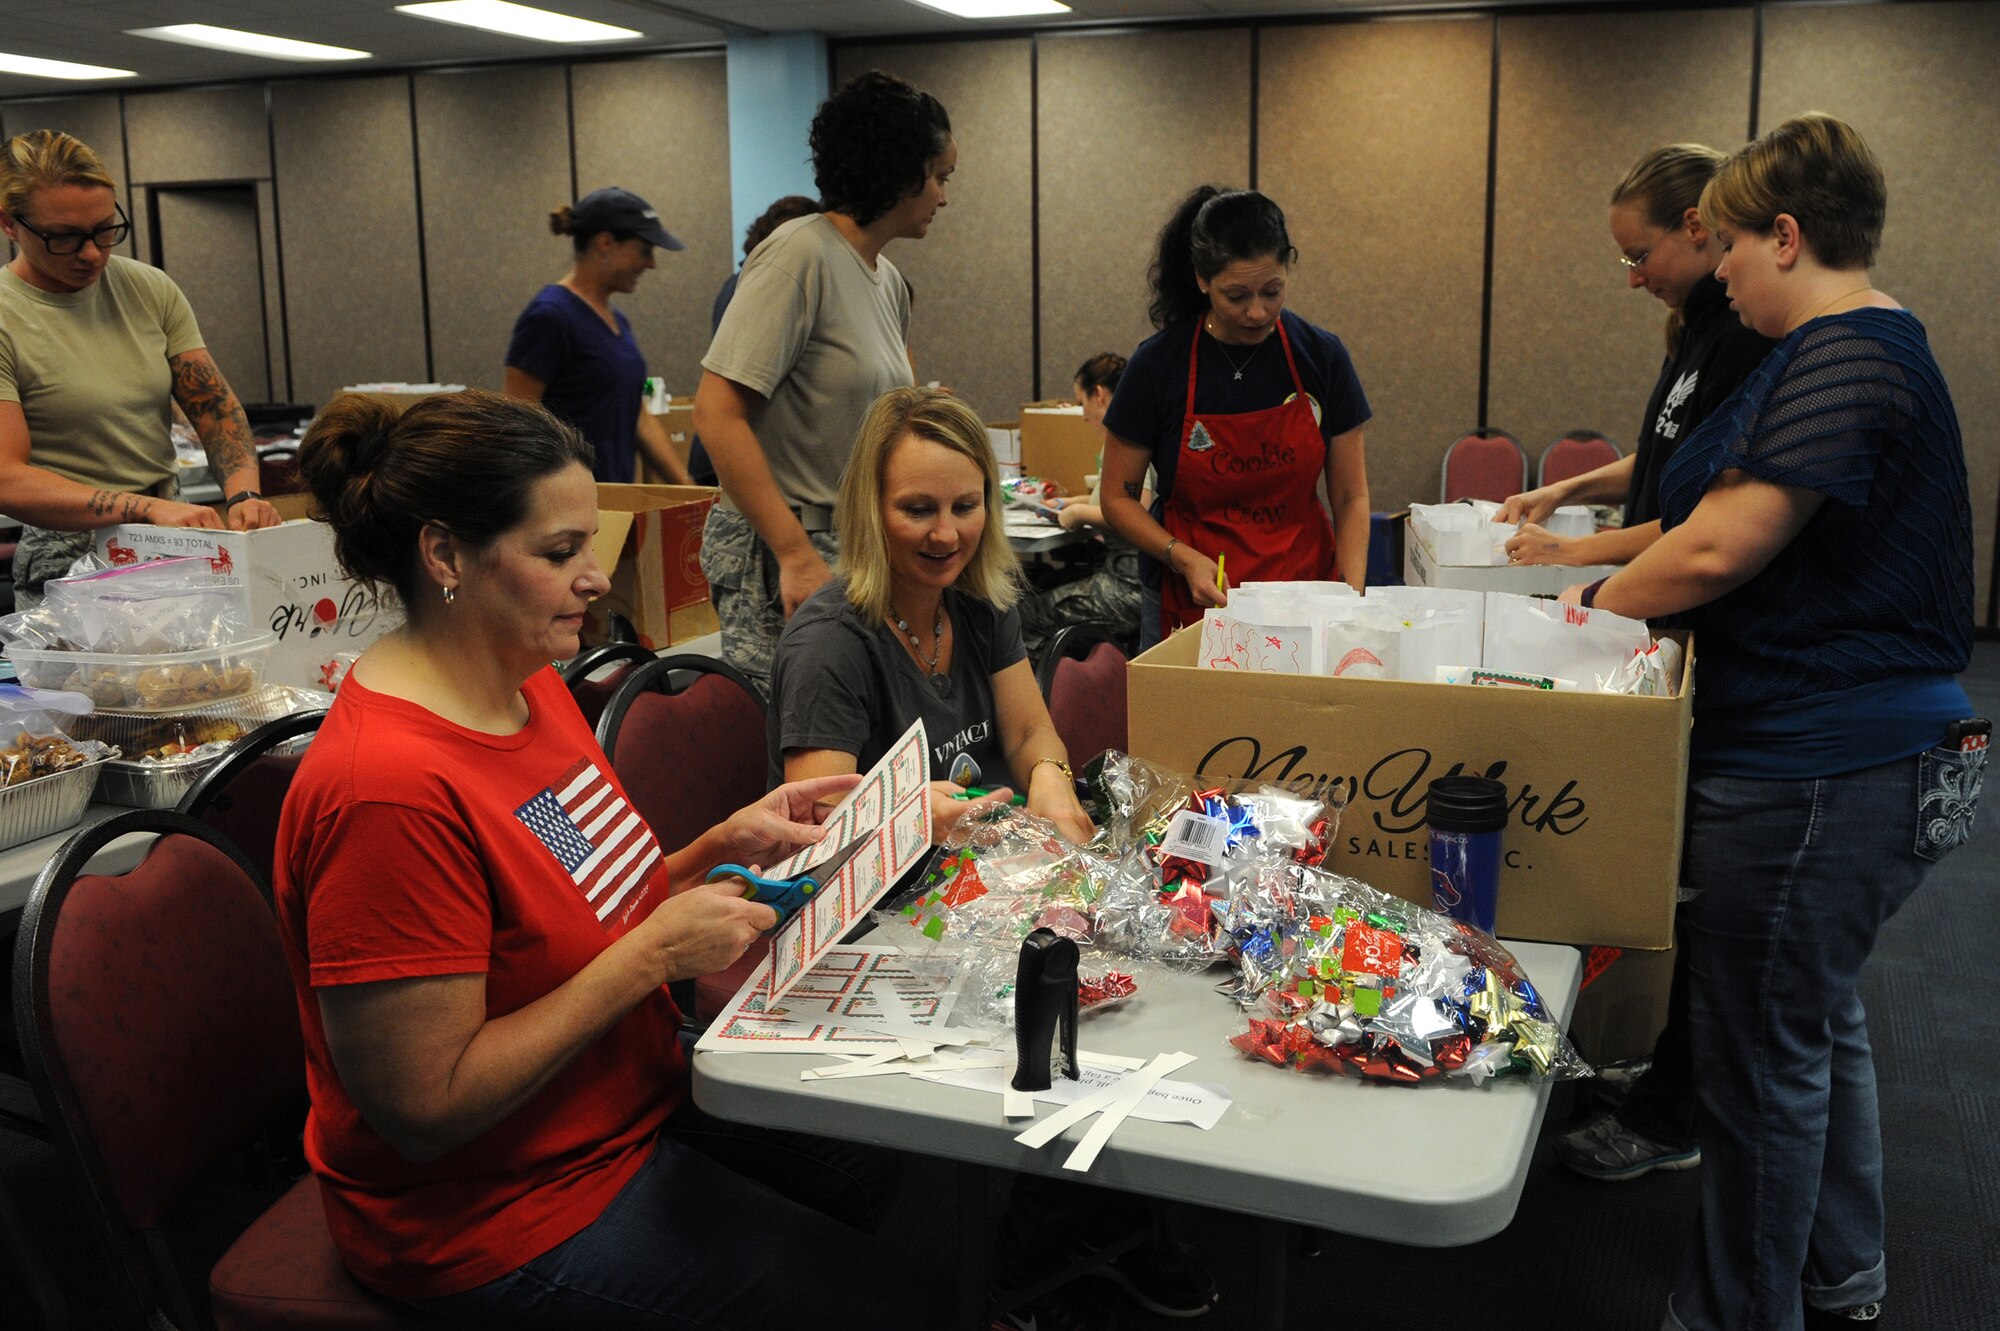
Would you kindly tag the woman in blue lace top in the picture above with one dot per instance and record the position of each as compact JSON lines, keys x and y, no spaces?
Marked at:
{"x":1818,"y":539}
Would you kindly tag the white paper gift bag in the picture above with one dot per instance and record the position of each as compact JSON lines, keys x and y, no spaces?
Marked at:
{"x":1534,"y":636}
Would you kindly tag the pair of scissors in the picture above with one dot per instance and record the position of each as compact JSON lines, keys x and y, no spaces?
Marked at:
{"x":787,"y":895}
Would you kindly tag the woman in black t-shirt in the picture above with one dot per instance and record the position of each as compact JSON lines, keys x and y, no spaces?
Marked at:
{"x":919,"y":621}
{"x":1666,"y":250}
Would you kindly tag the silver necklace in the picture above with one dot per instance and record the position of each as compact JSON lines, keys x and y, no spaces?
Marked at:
{"x":939,"y":681}
{"x":1234,"y":364}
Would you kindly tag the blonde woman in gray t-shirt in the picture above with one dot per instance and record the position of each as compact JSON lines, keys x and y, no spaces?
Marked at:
{"x":818,"y":329}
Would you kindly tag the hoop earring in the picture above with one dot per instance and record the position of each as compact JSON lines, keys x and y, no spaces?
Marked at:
{"x":450,"y":595}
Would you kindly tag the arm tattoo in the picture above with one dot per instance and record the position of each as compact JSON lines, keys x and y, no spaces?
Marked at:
{"x":1132,"y":489}
{"x":217,"y":416}
{"x":128,"y":508}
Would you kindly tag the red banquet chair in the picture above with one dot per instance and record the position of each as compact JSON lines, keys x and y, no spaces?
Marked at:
{"x":595,"y":674}
{"x":686,"y":736}
{"x":1485,"y":464}
{"x":160,"y":1031}
{"x":243,"y":793}
{"x":1083,"y":681}
{"x":1574,"y":454}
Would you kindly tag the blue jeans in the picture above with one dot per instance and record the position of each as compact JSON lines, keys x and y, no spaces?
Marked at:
{"x":698,"y":1240}
{"x":1794,"y":879}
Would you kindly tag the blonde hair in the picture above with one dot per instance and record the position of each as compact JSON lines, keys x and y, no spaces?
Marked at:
{"x":1663,"y":185}
{"x":45,"y":157}
{"x":1819,"y":170}
{"x":992,"y":575}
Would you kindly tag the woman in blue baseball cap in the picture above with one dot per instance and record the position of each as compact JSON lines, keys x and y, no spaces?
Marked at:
{"x":574,"y":353}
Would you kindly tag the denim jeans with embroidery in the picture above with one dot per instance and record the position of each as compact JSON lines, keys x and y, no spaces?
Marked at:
{"x":1794,"y":878}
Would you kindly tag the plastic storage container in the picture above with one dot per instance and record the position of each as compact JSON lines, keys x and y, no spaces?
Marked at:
{"x":148,"y":683}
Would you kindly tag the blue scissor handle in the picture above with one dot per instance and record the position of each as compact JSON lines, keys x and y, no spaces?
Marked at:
{"x":784,"y":895}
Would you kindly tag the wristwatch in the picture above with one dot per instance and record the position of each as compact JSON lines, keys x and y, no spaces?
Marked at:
{"x":239,"y":497}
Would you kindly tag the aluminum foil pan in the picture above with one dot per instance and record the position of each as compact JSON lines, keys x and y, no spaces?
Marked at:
{"x":156,"y":783}
{"x":47,"y":804}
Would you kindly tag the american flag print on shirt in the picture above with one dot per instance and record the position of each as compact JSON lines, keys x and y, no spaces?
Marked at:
{"x":602,"y":844}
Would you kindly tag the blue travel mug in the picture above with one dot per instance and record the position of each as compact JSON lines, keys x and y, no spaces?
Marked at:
{"x":1466,"y":815}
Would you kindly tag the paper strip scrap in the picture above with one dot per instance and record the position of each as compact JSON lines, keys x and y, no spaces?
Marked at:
{"x":1017,"y":1104}
{"x":1133,"y":1090}
{"x":1048,"y":1129}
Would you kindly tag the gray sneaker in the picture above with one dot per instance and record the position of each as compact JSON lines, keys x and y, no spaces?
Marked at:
{"x":1610,"y":1151}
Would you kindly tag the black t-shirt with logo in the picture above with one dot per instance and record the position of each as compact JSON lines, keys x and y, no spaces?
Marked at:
{"x":841,"y":682}
{"x":1716,"y":355}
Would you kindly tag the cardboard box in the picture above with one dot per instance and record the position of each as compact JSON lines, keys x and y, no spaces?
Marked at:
{"x":1598,"y":782}
{"x":297,"y":590}
{"x":400,"y":397}
{"x":649,"y":536}
{"x":1421,"y":568}
{"x":1058,"y":445}
{"x":678,"y":421}
{"x":1623,"y":1006}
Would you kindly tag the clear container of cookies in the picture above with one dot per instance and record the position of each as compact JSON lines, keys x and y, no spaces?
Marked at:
{"x":148,"y":683}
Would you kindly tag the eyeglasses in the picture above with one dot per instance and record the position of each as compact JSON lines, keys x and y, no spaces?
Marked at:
{"x":69,"y":242}
{"x":1634,"y":265}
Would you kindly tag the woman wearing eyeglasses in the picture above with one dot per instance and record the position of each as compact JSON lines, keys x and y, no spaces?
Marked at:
{"x":94,"y":350}
{"x":1671,"y":256}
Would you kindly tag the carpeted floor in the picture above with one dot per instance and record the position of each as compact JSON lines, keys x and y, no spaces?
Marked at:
{"x":1580,"y":1256}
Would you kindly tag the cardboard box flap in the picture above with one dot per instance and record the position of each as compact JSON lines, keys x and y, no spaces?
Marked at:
{"x":613,"y":527}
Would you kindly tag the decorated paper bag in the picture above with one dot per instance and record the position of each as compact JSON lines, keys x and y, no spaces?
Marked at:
{"x":1534,"y":636}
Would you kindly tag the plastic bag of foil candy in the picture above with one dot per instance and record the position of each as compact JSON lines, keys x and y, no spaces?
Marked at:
{"x":1339,"y":977}
{"x":1001,"y":874}
{"x":1181,"y":846}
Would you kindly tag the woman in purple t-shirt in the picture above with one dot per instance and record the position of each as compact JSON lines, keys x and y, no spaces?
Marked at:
{"x":575,"y":354}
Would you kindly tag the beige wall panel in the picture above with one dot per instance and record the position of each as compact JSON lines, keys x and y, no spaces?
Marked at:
{"x":1917,"y":80}
{"x":972,"y":325}
{"x":347,"y":207}
{"x":1573,"y":346}
{"x":198,"y":134}
{"x":95,"y":120}
{"x":209,"y":245}
{"x":1396,"y":272}
{"x":1129,"y":124}
{"x":659,"y":127}
{"x":493,"y":154}
{"x":280,"y":388}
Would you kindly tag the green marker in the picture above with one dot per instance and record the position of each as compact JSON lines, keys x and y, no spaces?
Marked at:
{"x":975,"y":793}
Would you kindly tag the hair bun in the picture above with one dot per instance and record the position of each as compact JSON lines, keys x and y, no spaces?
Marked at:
{"x":562,"y":221}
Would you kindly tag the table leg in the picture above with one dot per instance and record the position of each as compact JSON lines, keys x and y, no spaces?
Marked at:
{"x":1273,"y":1239}
{"x":970,"y":1184}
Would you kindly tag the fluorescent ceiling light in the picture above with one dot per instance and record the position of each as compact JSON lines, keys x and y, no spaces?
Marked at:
{"x":518,"y":21}
{"x":994,"y":8}
{"x":248,"y":43}
{"x":36,"y":67}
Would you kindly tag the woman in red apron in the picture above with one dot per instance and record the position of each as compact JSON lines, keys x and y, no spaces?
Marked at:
{"x":1240,"y":434}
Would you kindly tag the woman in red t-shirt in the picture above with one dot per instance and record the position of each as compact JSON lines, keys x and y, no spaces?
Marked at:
{"x":482,"y":930}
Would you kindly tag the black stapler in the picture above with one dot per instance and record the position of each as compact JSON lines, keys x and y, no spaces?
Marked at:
{"x":1045,"y":1008}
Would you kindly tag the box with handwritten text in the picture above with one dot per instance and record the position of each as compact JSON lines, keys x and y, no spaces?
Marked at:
{"x":297,"y":592}
{"x":1596,"y":782}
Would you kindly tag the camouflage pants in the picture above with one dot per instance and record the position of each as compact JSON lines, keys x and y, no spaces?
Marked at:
{"x":742,"y":575}
{"x":44,"y":554}
{"x":1108,"y":599}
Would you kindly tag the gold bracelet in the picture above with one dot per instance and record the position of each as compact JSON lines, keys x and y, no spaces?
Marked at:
{"x":1062,"y":765}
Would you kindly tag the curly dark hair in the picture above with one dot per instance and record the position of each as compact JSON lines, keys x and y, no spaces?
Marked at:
{"x":872,"y":143}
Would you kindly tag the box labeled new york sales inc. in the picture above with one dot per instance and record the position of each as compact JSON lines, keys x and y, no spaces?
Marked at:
{"x":1597,"y":782}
